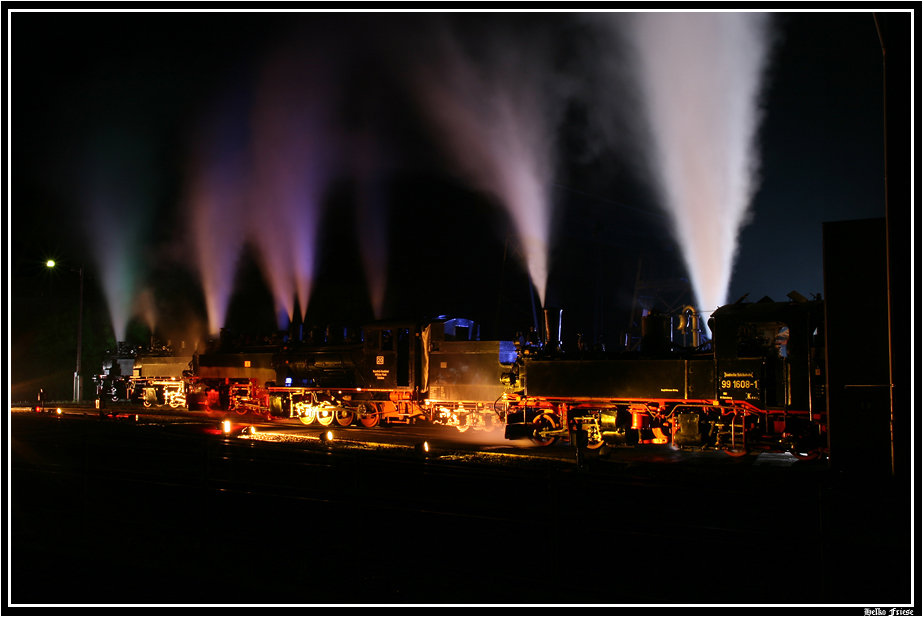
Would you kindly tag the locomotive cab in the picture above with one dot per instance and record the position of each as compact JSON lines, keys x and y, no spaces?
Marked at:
{"x":770,"y":354}
{"x":769,"y":379}
{"x":390,"y":361}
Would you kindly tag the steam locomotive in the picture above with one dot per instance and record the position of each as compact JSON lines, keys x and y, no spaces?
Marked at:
{"x":758,"y":384}
{"x":151,"y":375}
{"x":398,"y":371}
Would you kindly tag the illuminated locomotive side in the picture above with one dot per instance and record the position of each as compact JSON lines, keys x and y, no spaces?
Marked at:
{"x":230,"y":374}
{"x":397,"y":371}
{"x":152,"y":376}
{"x":759,"y":387}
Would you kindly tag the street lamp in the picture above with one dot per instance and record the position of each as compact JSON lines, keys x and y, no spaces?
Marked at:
{"x":77,"y":385}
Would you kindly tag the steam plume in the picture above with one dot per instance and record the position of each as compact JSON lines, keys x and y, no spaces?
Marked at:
{"x":217,"y":204}
{"x":700,"y":76}
{"x":495,"y":124}
{"x":294,"y":156}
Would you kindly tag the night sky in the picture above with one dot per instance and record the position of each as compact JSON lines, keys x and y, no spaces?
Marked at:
{"x":120,"y":120}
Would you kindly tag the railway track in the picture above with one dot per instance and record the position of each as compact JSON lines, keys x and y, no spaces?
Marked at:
{"x":238,"y":520}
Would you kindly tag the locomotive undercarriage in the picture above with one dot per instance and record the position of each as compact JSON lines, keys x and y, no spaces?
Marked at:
{"x":737,"y":428}
{"x":365,"y":407}
{"x":466,"y":415}
{"x":161,"y":392}
{"x":740,"y":429}
{"x":148,"y":391}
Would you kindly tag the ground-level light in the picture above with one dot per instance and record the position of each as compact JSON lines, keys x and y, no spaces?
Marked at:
{"x":326,"y":437}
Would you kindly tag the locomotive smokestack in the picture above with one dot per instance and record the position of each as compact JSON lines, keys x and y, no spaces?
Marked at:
{"x":656,"y":333}
{"x":689,"y":324}
{"x":552,"y":334}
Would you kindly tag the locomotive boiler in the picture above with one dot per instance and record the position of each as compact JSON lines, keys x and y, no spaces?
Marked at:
{"x":757,"y":385}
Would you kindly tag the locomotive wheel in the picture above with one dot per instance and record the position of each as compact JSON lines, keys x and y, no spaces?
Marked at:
{"x":174,"y":403}
{"x":309,"y":417}
{"x":147,"y":404}
{"x":740,"y":451}
{"x":594,"y":445}
{"x":804,"y":456}
{"x":465,"y":424}
{"x":325,"y":417}
{"x":544,"y":422}
{"x":368,"y":415}
{"x":344,"y":418}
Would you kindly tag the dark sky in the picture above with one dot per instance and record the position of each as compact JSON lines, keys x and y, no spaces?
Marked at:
{"x":112,"y":103}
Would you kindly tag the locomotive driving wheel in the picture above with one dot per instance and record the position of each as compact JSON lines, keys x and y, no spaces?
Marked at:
{"x":367,"y":414}
{"x":325,"y":416}
{"x":344,"y":417}
{"x":545,"y":422}
{"x":465,"y":423}
{"x":306,"y":413}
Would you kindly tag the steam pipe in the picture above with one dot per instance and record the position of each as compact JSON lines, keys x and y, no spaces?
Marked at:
{"x":552,"y":319}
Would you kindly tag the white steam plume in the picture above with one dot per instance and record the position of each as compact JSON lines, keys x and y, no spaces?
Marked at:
{"x":497,"y":127}
{"x":700,"y":78}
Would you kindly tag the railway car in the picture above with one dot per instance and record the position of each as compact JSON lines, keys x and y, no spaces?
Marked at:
{"x":757,"y":385}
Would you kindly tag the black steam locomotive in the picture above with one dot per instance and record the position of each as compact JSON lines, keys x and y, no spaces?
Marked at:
{"x":150,"y":375}
{"x":399,"y":371}
{"x":758,"y":385}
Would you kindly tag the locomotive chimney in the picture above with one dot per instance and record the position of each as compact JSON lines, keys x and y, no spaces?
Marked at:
{"x":552,"y":334}
{"x":689,"y":324}
{"x":656,"y":333}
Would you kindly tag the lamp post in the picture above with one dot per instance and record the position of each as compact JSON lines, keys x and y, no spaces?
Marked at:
{"x":77,"y":384}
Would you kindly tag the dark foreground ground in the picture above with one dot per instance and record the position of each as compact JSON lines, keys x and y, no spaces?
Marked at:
{"x":156,"y":513}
